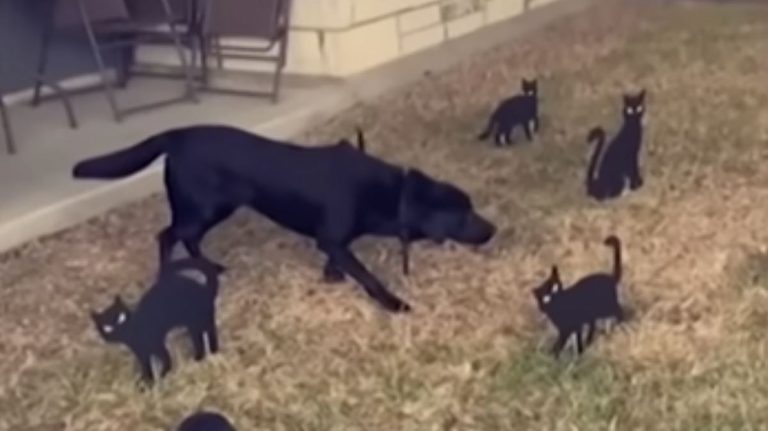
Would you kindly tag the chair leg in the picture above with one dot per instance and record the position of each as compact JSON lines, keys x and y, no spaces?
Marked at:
{"x":65,"y":100}
{"x":42,"y":61}
{"x":10,"y":144}
{"x":96,"y":50}
{"x":204,"y":64}
{"x":219,"y":53}
{"x":276,"y":80}
{"x":188,"y":78}
{"x":127,"y":57}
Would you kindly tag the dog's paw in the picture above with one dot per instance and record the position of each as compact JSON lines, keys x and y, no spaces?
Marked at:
{"x":333,"y":276}
{"x":396,"y":305}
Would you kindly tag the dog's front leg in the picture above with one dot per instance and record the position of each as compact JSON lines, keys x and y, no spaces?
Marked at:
{"x":345,"y":260}
{"x":332,"y":273}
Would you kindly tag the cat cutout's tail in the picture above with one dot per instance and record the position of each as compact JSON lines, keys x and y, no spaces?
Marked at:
{"x":360,"y":140}
{"x":488,"y":129}
{"x":124,"y":162}
{"x":596,"y":134}
{"x":208,"y":269}
{"x":613,"y":241}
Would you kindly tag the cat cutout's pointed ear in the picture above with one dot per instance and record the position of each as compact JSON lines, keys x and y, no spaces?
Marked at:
{"x":641,"y":96}
{"x":119,"y":302}
{"x":555,"y":273}
{"x":360,"y":139}
{"x":557,"y":284}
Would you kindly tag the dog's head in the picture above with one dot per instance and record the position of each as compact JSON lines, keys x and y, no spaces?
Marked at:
{"x":441,"y":211}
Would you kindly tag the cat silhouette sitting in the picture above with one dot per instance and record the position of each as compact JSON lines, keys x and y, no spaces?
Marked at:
{"x":591,"y":298}
{"x":521,"y":109}
{"x":612,"y":167}
{"x":174,"y":300}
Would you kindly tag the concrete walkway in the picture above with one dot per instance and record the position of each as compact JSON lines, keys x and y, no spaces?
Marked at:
{"x":39,"y":197}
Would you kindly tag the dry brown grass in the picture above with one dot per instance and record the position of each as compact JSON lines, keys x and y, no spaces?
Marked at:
{"x":301,"y":355}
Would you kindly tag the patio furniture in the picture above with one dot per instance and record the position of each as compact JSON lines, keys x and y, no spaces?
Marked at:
{"x":10,"y":145}
{"x":187,"y":17}
{"x":263,"y":20}
{"x":109,"y":25}
{"x":5,"y":122}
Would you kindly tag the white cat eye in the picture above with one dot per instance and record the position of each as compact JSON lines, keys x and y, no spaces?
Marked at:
{"x":639,"y":109}
{"x":630,"y":111}
{"x":121,"y":318}
{"x":108,"y":329}
{"x":546,"y":299}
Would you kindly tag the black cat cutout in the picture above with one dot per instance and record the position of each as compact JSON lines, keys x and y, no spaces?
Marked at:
{"x":173,"y":301}
{"x":205,"y":421}
{"x":612,"y":167}
{"x":521,"y":109}
{"x":591,"y":298}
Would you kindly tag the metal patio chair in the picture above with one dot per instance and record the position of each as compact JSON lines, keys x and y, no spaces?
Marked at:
{"x":109,"y":25}
{"x":5,"y":122}
{"x":265,"y":20}
{"x":187,"y":16}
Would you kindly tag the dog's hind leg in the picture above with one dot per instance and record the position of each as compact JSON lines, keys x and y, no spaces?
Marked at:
{"x":166,"y":239}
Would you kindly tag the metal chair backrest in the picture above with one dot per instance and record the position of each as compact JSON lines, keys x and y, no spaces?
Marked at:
{"x":67,"y":12}
{"x":152,"y":11}
{"x":262,"y":19}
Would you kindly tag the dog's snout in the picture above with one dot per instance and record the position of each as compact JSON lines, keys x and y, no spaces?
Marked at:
{"x":480,"y":230}
{"x":489,"y":231}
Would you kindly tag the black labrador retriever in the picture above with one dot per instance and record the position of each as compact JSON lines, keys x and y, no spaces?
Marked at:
{"x":333,"y":193}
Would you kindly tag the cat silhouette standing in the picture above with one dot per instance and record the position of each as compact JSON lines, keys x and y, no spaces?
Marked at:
{"x":612,"y":167}
{"x":174,"y":300}
{"x":591,"y":298}
{"x":521,"y":109}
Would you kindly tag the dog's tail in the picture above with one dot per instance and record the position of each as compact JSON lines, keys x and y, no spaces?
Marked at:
{"x":595,"y":135}
{"x":614,"y":242}
{"x":488,"y":129}
{"x":208,"y":269}
{"x":126,"y":161}
{"x":360,"y":140}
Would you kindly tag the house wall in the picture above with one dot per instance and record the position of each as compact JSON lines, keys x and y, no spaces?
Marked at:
{"x":344,"y":37}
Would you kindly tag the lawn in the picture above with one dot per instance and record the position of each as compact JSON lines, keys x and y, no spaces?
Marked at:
{"x":298,"y":354}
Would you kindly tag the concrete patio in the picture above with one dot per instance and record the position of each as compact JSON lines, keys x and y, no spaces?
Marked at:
{"x":39,"y":197}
